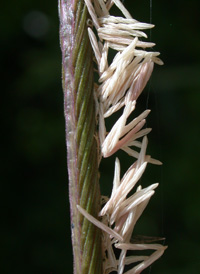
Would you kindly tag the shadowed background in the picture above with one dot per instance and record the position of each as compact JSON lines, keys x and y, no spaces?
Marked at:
{"x":35,"y":229}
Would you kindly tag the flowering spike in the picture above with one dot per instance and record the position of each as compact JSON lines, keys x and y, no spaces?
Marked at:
{"x":119,"y":86}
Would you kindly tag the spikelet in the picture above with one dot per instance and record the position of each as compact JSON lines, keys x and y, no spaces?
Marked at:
{"x":119,"y":86}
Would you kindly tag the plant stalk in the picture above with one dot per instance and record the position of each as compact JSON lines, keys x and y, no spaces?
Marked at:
{"x":81,"y":140}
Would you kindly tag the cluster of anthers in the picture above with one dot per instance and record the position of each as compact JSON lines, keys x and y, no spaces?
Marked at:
{"x":120,"y":84}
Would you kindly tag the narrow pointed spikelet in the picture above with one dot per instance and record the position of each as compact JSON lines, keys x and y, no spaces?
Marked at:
{"x":119,"y":86}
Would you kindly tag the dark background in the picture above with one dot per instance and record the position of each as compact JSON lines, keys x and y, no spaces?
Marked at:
{"x":35,"y":233}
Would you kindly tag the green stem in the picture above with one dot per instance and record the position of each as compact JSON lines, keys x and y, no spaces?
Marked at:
{"x":80,"y":135}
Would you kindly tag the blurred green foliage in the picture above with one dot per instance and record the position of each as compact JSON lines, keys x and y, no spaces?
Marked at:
{"x":35,"y":209}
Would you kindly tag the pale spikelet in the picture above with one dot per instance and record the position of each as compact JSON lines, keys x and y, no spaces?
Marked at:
{"x":120,"y":215}
{"x":111,"y":232}
{"x":118,"y":136}
{"x":119,"y":86}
